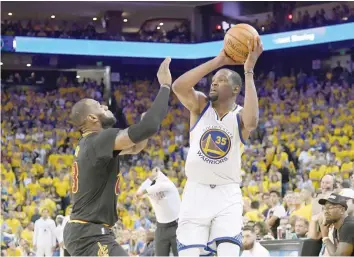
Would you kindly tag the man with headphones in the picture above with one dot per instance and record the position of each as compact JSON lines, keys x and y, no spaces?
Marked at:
{"x":328,"y":184}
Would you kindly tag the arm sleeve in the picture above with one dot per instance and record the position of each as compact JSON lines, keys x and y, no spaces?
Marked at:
{"x":104,"y":143}
{"x":151,"y":122}
{"x":144,"y":185}
{"x":346,"y":234}
{"x":158,"y":187}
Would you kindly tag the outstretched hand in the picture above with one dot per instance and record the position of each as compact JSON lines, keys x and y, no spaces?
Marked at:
{"x":164,"y":74}
{"x":224,"y":59}
{"x":255,"y":49}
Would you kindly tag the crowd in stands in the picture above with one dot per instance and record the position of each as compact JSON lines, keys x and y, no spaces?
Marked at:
{"x":305,"y":132}
{"x":340,"y":14}
{"x":180,"y":34}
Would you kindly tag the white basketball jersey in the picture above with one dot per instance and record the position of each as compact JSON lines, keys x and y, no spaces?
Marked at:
{"x":216,"y":146}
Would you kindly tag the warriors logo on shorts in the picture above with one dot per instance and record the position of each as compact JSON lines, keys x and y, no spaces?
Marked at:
{"x":215,"y":144}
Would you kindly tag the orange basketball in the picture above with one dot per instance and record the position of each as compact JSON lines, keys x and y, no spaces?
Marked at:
{"x":235,"y":41}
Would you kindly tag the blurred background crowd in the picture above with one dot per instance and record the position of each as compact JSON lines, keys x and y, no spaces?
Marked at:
{"x":305,"y":133}
{"x":303,"y":148}
{"x":177,"y":30}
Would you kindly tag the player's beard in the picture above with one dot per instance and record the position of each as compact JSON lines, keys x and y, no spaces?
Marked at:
{"x":330,"y":220}
{"x":248,"y":246}
{"x":107,"y":122}
{"x":213,"y":98}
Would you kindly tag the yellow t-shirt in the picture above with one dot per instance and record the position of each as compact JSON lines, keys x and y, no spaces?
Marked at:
{"x":316,"y":174}
{"x":254,"y":215}
{"x":62,"y":188}
{"x":346,"y":169}
{"x":34,"y":188}
{"x":27,"y":235}
{"x":275,"y":186}
{"x":14,"y":224}
{"x":29,"y":210}
{"x":15,"y":252}
{"x":45,"y":181}
{"x":305,"y":212}
{"x":252,"y":190}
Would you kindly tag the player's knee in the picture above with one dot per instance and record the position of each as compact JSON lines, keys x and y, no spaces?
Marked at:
{"x":189,"y":252}
{"x":228,"y":249}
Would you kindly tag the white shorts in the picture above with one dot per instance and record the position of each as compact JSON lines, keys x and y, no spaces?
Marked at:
{"x":208,"y":214}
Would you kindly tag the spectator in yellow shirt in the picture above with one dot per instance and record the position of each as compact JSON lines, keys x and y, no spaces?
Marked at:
{"x":254,"y":213}
{"x":27,"y":233}
{"x":347,"y":167}
{"x":13,"y":250}
{"x":305,"y":210}
{"x":62,"y":186}
{"x":275,"y":183}
{"x":13,"y":223}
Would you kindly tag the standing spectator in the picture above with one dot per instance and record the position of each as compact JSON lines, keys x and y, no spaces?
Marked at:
{"x":275,"y":213}
{"x":44,"y":239}
{"x":285,"y":176}
{"x":337,"y":71}
{"x":13,"y":250}
{"x":13,"y":223}
{"x":35,"y":216}
{"x":27,"y":233}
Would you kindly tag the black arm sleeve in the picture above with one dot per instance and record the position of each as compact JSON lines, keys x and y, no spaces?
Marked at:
{"x":150,"y":123}
{"x":104,"y":143}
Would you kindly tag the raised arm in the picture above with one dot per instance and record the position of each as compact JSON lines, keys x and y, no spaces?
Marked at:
{"x":250,"y":112}
{"x":183,"y":87}
{"x":151,"y":121}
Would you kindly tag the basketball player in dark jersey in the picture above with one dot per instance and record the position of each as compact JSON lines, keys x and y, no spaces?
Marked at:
{"x":96,"y":168}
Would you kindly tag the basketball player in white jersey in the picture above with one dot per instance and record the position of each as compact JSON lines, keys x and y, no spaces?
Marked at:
{"x":210,"y":219}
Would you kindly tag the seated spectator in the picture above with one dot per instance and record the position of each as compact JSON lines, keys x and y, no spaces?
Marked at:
{"x":149,"y":247}
{"x":276,"y":212}
{"x":254,"y":214}
{"x":250,"y":245}
{"x":301,"y":227}
{"x":261,"y":229}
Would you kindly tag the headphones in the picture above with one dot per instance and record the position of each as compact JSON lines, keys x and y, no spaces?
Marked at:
{"x":334,"y":180}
